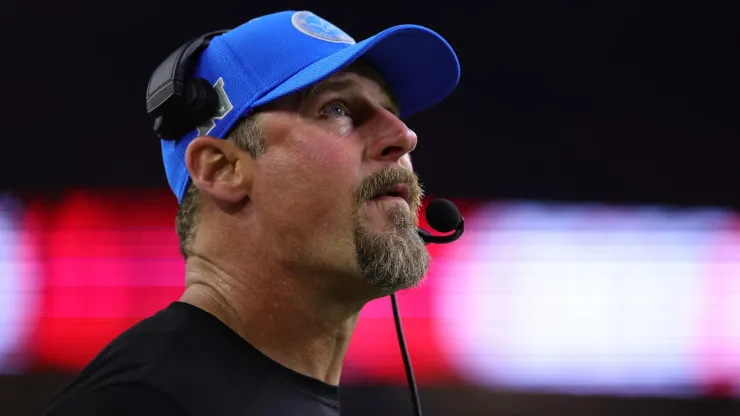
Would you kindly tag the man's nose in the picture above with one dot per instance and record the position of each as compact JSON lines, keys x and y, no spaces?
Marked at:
{"x":391,"y":138}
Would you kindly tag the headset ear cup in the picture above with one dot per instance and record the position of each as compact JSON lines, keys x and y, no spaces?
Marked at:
{"x":176,"y":103}
{"x":201,"y":101}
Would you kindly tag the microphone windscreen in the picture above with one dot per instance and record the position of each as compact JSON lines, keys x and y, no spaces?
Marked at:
{"x":442,"y":215}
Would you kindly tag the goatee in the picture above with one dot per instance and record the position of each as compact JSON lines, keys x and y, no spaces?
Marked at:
{"x":396,"y":259}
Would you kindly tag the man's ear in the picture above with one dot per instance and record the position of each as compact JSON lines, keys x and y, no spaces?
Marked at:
{"x":219,"y":169}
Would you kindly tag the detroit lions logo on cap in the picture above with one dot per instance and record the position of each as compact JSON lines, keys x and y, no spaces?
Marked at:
{"x":316,"y":27}
{"x":224,"y":108}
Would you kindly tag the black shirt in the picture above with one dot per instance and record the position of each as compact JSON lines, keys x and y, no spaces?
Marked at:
{"x":184,"y":361}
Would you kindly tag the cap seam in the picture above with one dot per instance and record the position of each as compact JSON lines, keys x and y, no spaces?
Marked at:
{"x":245,"y":68}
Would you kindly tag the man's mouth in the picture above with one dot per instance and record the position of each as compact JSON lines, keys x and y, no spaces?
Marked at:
{"x":399,"y":191}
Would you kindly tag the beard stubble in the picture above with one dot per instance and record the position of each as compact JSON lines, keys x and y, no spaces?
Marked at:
{"x":396,"y":259}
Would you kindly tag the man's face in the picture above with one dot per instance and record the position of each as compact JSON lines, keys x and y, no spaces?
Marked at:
{"x":335,"y":188}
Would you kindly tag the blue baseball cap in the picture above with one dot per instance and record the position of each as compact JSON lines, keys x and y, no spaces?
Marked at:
{"x":277,"y":54}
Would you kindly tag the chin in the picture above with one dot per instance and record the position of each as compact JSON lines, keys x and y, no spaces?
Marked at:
{"x":391,"y":260}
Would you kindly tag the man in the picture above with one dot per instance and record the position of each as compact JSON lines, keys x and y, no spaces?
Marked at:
{"x":304,"y":213}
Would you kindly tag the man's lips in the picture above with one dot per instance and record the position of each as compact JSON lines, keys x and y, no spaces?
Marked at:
{"x":398,"y":191}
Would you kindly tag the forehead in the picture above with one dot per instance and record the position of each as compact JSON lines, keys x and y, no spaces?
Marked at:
{"x":358,"y":77}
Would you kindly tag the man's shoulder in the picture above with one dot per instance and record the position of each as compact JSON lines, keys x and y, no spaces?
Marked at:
{"x":147,"y":345}
{"x":120,"y":399}
{"x":133,"y":362}
{"x":185,"y":358}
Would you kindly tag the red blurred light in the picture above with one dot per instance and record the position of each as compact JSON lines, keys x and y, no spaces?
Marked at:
{"x":109,"y":259}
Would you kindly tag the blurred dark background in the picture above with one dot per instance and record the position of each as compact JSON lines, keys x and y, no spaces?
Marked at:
{"x":619,"y":103}
{"x":616,"y":101}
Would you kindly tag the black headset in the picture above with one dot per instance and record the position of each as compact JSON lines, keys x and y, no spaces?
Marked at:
{"x":177,"y":102}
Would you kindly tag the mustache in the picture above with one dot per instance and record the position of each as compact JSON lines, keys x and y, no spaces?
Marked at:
{"x":386,"y":178}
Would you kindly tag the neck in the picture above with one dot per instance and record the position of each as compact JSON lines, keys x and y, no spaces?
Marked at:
{"x":290,"y":320}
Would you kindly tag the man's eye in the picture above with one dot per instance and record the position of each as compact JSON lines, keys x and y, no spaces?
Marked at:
{"x":335,"y":109}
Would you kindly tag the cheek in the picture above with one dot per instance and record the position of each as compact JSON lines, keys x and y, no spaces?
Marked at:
{"x":307,"y":185}
{"x":333,"y":167}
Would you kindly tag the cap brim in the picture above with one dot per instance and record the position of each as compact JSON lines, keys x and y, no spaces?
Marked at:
{"x":418,"y":65}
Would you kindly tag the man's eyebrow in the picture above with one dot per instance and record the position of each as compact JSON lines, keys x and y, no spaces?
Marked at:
{"x":338,"y":85}
{"x":331,"y":85}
